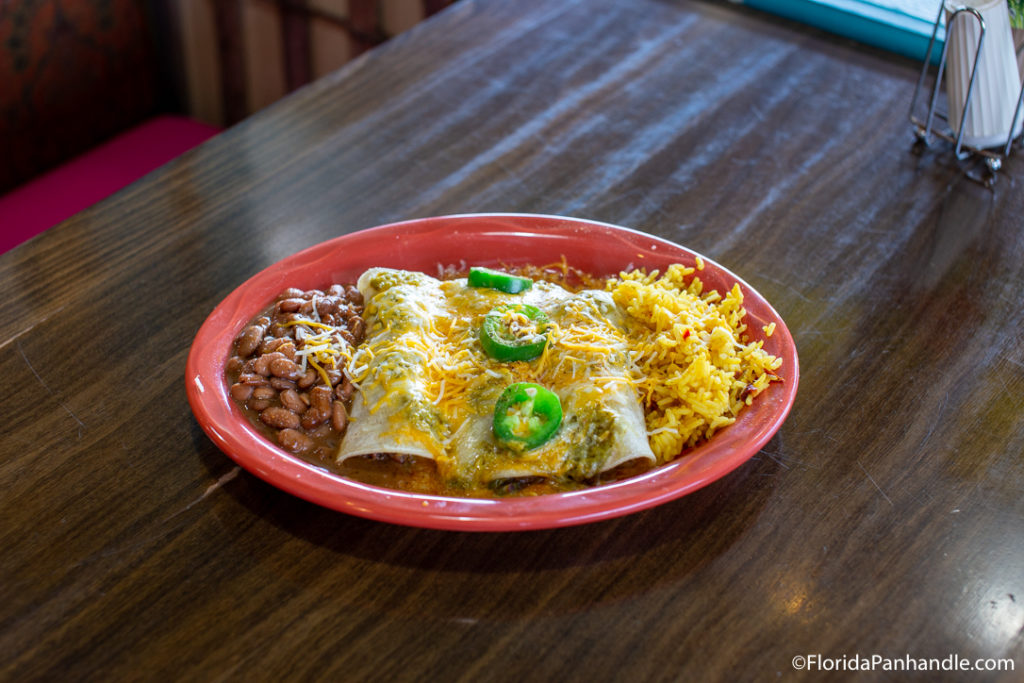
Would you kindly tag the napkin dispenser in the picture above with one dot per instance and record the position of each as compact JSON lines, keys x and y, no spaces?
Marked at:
{"x":983,"y":85}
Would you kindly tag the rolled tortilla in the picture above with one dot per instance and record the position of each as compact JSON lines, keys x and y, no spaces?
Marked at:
{"x":421,"y":328}
{"x":603,"y":422}
{"x":392,"y":412}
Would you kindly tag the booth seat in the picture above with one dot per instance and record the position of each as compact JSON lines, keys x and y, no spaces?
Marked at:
{"x":60,"y":193}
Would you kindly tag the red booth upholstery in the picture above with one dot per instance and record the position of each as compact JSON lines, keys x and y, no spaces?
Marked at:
{"x":64,"y":191}
{"x":85,"y":89}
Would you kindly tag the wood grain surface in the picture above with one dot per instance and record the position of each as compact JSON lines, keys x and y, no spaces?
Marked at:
{"x":885,"y":518}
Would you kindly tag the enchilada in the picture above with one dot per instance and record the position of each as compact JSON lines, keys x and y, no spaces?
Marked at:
{"x":428,"y":387}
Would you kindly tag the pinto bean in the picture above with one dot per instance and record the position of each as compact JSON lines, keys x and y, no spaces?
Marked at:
{"x":293,"y":401}
{"x":313,"y":418}
{"x":234,"y":364}
{"x":264,"y":392}
{"x":285,"y":368}
{"x":281,"y":384}
{"x":294,"y":440}
{"x":288,"y":349}
{"x":241,"y":392}
{"x":345,"y":390}
{"x":308,"y":379}
{"x":324,"y":431}
{"x":279,"y":418}
{"x":319,"y":410}
{"x":263,"y":363}
{"x":289,"y":305}
{"x":332,"y":319}
{"x":290,"y":400}
{"x":252,"y":378}
{"x":339,"y":417}
{"x":320,"y":398}
{"x":250,"y":340}
{"x":327,"y":306}
{"x":354,"y":295}
{"x":270,"y":344}
{"x":358,"y":331}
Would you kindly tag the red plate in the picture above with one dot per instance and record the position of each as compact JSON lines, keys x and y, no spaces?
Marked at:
{"x":490,"y":239}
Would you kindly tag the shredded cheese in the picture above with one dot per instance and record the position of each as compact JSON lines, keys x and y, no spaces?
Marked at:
{"x":320,"y":345}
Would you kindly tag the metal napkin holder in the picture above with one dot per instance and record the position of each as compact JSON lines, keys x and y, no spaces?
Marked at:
{"x":924,"y":129}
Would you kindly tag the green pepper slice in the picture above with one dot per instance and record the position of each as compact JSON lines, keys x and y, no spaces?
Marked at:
{"x":495,"y":279}
{"x":514,"y":332}
{"x":526,"y":416}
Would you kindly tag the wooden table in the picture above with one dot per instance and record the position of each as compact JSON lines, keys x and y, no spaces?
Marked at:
{"x":885,"y":519}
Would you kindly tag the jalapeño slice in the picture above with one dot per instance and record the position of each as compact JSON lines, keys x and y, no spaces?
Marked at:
{"x":526,"y":416}
{"x":495,"y":279}
{"x":514,"y":332}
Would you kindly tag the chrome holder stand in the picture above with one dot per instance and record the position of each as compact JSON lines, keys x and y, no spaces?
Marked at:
{"x":924,"y":128}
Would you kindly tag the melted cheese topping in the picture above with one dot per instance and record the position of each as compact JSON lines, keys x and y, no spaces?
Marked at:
{"x":584,"y":341}
{"x":423,"y":355}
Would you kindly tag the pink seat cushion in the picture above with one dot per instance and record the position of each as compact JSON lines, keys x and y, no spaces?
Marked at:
{"x":61,"y":193}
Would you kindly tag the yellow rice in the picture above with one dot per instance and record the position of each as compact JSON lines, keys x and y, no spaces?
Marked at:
{"x":696,"y":369}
